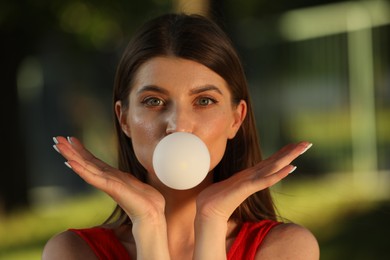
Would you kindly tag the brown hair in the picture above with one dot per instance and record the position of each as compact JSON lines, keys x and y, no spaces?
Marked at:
{"x":199,"y":39}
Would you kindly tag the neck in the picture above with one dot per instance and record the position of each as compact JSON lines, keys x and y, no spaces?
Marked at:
{"x":180,"y":205}
{"x":180,"y":201}
{"x":180,"y":211}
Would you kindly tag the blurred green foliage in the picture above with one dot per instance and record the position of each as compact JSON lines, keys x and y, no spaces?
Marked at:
{"x":24,"y":233}
{"x":329,"y":206}
{"x":300,"y":92}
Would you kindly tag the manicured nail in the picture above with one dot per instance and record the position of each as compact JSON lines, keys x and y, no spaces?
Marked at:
{"x":56,"y":148}
{"x":69,"y":139}
{"x":307,"y":148}
{"x":68,"y":165}
{"x":55,"y":140}
{"x":293,"y":169}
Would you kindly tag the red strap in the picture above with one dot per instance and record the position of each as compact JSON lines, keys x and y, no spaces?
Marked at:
{"x":103,"y":242}
{"x":249,"y":239}
{"x":106,"y":245}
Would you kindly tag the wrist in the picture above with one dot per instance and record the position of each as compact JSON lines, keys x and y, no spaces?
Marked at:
{"x":149,"y":225}
{"x":210,"y":219}
{"x":202,"y":222}
{"x":210,"y":238}
{"x":151,"y":233}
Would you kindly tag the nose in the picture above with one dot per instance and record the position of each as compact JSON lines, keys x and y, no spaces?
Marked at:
{"x":179,"y":120}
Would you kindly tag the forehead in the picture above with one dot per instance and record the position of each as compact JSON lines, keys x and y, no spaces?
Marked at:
{"x":171,"y":72}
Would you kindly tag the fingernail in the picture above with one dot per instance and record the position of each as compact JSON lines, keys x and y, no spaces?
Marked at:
{"x":307,"y":148}
{"x":69,"y":140}
{"x":56,"y":148}
{"x":68,"y":165}
{"x":293,"y":169}
{"x":55,"y":140}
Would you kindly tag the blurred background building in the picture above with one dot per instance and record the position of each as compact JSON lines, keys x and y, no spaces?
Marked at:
{"x":318,"y":70}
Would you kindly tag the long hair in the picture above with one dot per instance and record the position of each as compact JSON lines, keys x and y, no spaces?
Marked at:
{"x":199,"y":39}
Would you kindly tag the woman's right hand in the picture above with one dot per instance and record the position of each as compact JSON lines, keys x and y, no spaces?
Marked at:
{"x":142,"y":203}
{"x":139,"y":200}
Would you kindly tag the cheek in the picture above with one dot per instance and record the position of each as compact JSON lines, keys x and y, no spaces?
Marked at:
{"x":217,"y":150}
{"x":145,"y":135}
{"x":215,"y":136}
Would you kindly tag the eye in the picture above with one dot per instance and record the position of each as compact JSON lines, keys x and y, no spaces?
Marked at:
{"x":153,"y":102}
{"x":205,"y":101}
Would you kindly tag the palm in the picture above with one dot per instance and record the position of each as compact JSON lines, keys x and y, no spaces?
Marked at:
{"x":137,"y":199}
{"x":220,"y":199}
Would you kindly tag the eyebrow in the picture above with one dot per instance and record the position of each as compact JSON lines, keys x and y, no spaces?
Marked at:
{"x":194,"y":91}
{"x":205,"y":88}
{"x":153,"y":88}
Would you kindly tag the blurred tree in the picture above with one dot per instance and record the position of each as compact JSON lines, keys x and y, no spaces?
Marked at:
{"x":90,"y":27}
{"x":19,"y":28}
{"x":86,"y":27}
{"x":13,"y":157}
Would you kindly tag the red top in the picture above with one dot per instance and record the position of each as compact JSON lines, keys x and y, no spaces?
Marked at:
{"x":249,"y":239}
{"x":106,"y":245}
{"x":103,"y":242}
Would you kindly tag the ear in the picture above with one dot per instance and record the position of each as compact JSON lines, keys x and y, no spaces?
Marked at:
{"x":121,"y":114}
{"x":239,"y":114}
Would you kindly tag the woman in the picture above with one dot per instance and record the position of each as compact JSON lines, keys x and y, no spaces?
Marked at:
{"x":180,"y":73}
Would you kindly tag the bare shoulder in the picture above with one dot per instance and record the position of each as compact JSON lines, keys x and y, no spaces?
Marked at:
{"x":289,"y":241}
{"x":67,"y":245}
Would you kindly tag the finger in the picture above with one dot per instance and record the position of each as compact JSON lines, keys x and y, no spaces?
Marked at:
{"x":292,"y":153}
{"x":282,"y":158}
{"x":265,"y":182}
{"x":301,"y":146}
{"x":79,"y":147}
{"x":60,"y":141}
{"x":112,"y":184}
{"x":78,"y":150}
{"x":99,"y":181}
{"x":280,"y":153}
{"x":284,"y":149}
{"x":85,"y":153}
{"x":73,"y":150}
{"x":250,"y":186}
{"x":89,"y":173}
{"x":71,"y":155}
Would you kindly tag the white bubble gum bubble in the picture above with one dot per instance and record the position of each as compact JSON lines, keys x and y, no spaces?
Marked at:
{"x":181,"y":161}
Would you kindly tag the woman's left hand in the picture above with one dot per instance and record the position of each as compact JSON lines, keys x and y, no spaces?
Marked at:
{"x":219,"y":200}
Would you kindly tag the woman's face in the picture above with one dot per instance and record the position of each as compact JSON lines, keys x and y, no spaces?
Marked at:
{"x":171,"y":94}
